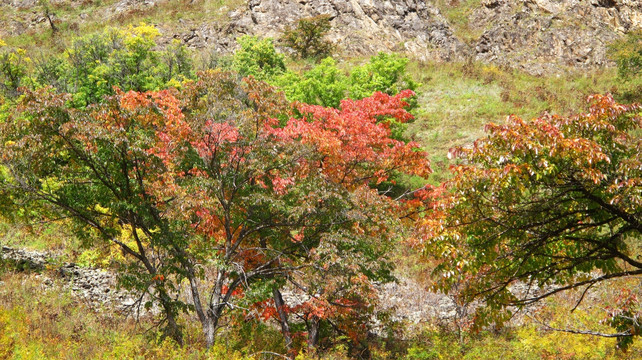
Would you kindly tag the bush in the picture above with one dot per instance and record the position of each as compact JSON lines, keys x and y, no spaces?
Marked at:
{"x":326,"y":85}
{"x":258,"y":58}
{"x":13,"y":70}
{"x":307,"y":37}
{"x":323,"y":85}
{"x":126,"y":59}
{"x":385,"y":73}
{"x":627,"y":54}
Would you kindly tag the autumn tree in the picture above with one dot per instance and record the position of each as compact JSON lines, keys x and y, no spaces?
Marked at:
{"x":555,"y":203}
{"x":96,"y":166}
{"x":356,"y":153}
{"x":208,"y":188}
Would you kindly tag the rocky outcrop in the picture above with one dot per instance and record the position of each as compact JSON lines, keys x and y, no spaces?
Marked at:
{"x":540,"y":36}
{"x":364,"y":26}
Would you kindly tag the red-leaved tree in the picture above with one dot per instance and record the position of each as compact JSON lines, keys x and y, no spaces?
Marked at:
{"x":219,"y":187}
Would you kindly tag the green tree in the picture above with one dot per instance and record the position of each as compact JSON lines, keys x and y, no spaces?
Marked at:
{"x":385,"y":73}
{"x":307,"y":38}
{"x":258,"y":58}
{"x":324,"y":85}
{"x":555,"y":203}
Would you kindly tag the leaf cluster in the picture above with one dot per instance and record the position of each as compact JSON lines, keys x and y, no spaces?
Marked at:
{"x":553,"y":203}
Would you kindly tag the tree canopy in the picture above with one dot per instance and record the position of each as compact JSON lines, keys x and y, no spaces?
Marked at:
{"x":206,"y":186}
{"x":555,"y":203}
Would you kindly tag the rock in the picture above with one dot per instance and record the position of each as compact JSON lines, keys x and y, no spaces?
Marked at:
{"x":539,"y":36}
{"x":359,"y":27}
{"x":543,"y":36}
{"x":96,"y":286}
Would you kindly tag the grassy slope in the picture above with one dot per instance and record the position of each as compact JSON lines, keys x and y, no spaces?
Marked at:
{"x":98,"y":14}
{"x":456,"y":100}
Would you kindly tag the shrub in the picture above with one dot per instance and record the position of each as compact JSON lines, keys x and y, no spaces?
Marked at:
{"x":307,"y":38}
{"x":385,"y":73}
{"x":258,"y":58}
{"x":627,"y":54}
{"x":323,"y":85}
{"x":123,"y":58}
{"x":13,"y":70}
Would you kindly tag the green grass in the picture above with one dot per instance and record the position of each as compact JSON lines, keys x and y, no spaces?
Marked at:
{"x":457,"y":99}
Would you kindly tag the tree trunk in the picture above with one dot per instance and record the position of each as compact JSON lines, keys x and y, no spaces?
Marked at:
{"x":215,"y":307}
{"x":313,"y":333}
{"x":283,"y":318}
{"x":206,"y":320}
{"x":172,"y":330}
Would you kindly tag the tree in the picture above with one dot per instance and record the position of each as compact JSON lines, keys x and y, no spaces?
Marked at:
{"x":257,"y":57}
{"x":94,"y":166}
{"x":307,"y":37}
{"x":356,"y":153}
{"x":206,"y":188}
{"x":555,"y":203}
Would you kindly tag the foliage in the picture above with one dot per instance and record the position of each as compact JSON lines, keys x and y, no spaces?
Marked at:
{"x":553,"y":201}
{"x":307,"y":37}
{"x":456,"y":99}
{"x":127,"y":58}
{"x":258,"y":58}
{"x":385,"y":73}
{"x":13,"y":70}
{"x":204,"y":186}
{"x":627,"y":54}
{"x":326,"y":84}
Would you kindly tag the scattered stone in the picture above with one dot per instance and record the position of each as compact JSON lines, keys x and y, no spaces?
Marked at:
{"x":97,"y":286}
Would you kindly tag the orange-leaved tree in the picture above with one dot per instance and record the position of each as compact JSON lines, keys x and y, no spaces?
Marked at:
{"x":207,"y":187}
{"x":555,"y":202}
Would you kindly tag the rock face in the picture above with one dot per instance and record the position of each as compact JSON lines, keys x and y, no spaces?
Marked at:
{"x":543,"y":35}
{"x":363,"y":26}
{"x":540,"y":36}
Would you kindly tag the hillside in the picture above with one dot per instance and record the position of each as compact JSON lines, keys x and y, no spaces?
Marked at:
{"x":158,"y":203}
{"x":539,"y":36}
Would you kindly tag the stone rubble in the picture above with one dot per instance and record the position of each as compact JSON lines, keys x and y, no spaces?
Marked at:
{"x":407,"y":300}
{"x":95,"y":287}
